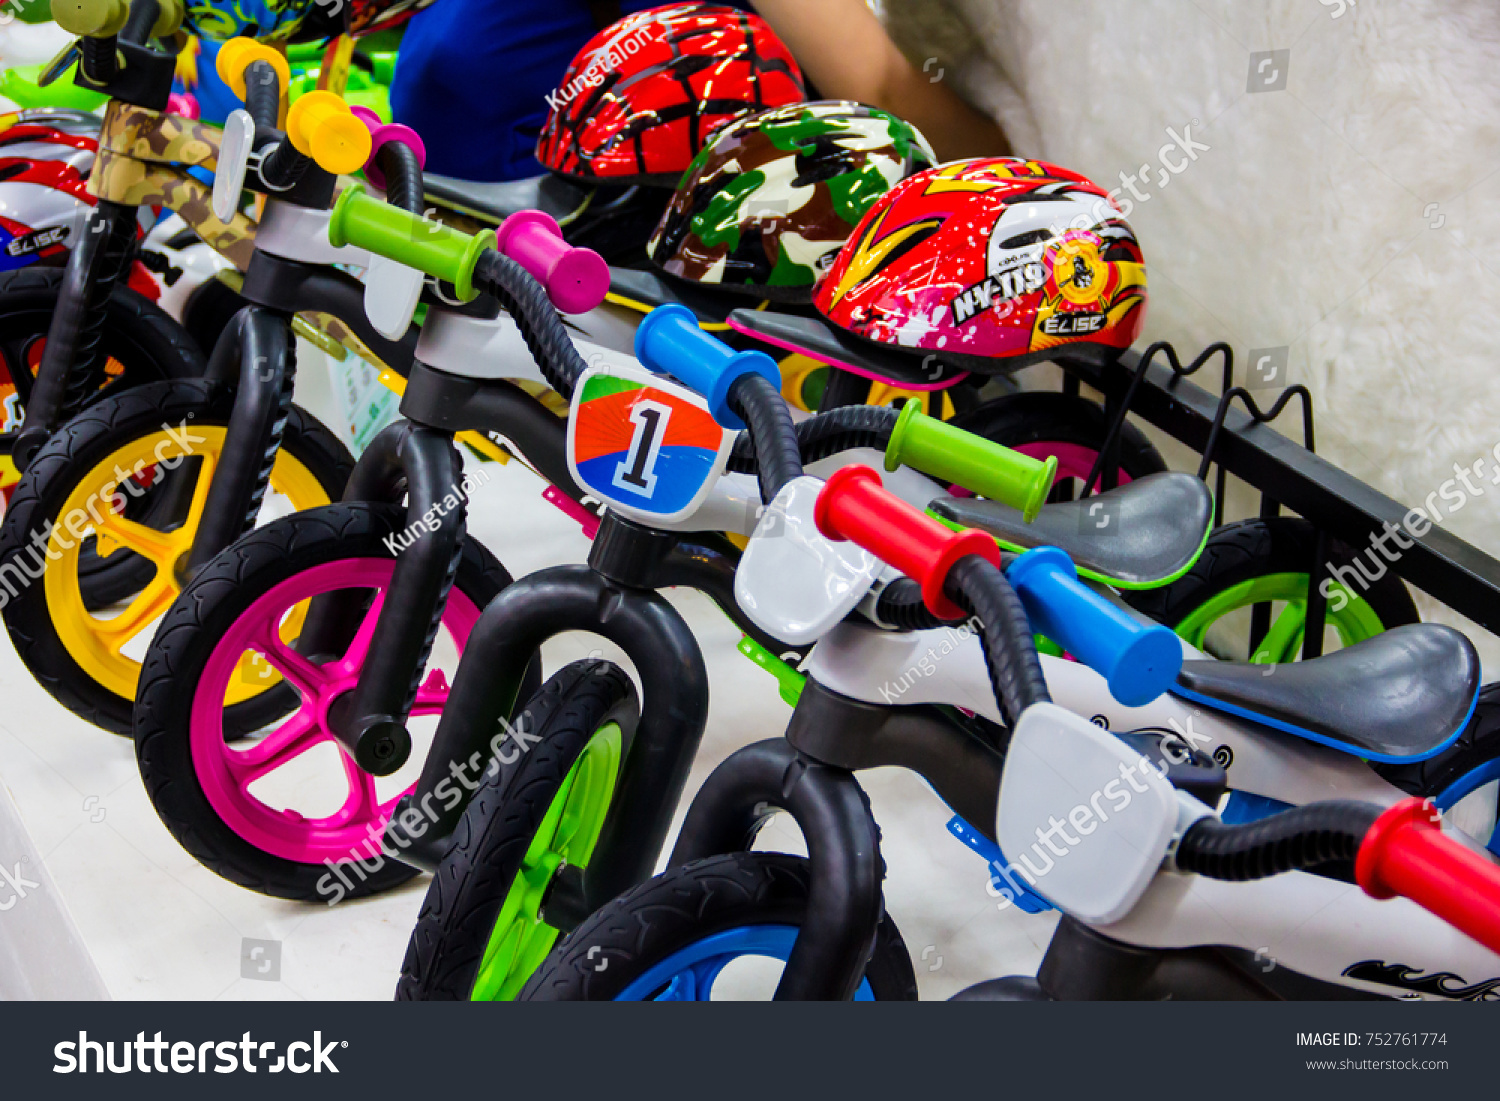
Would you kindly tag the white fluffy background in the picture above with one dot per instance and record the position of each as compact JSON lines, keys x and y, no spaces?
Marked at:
{"x":1308,"y":223}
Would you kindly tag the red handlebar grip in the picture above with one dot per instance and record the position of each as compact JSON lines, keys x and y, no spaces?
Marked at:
{"x":1405,"y":853}
{"x":855,"y":506}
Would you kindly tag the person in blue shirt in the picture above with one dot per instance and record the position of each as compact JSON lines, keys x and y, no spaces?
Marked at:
{"x":472,"y":76}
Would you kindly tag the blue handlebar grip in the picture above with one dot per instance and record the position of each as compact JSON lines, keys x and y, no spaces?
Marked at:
{"x":669,"y":342}
{"x":1139,"y":661}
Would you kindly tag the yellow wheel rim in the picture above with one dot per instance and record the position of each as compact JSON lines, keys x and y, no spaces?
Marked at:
{"x":95,"y":643}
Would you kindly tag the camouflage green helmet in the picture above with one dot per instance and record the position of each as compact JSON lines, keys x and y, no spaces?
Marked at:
{"x":768,"y":202}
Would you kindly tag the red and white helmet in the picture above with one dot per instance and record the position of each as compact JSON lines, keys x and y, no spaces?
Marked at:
{"x":991,"y":259}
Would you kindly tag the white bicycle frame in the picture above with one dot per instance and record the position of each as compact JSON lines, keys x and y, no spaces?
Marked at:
{"x":1317,"y":926}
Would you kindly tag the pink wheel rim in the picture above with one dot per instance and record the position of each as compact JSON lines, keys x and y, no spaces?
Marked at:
{"x":1073,"y":460}
{"x":226,"y":773}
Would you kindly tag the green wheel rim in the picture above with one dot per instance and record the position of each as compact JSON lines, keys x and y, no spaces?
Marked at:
{"x":1354,"y":622}
{"x":521,"y":940}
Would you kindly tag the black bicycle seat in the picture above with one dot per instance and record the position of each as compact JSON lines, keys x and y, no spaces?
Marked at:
{"x":497,"y":201}
{"x":650,"y":289}
{"x":1404,"y":695}
{"x":1140,"y":535}
{"x":817,"y":339}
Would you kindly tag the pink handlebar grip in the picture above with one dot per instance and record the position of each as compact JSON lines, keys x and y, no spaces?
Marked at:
{"x":382,"y":132}
{"x":1405,"y":853}
{"x":576,"y":279}
{"x":855,"y":506}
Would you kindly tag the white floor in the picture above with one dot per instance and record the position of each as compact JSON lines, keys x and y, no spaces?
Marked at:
{"x":159,"y":925}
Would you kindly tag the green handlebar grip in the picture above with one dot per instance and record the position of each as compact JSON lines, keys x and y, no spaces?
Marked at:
{"x":169,"y":17}
{"x":399,"y":235}
{"x":91,"y":18}
{"x":993,"y":470}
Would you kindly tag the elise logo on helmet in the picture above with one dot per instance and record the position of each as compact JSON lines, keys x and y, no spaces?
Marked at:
{"x":37,"y":240}
{"x":1073,"y":324}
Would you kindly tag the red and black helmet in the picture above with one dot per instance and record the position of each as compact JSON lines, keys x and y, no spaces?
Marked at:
{"x":641,"y":98}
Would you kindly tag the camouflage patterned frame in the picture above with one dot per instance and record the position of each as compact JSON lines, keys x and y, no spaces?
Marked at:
{"x":143,"y":160}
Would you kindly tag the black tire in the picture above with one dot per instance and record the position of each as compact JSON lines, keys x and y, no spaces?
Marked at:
{"x":1248,"y":549}
{"x":207,"y":608}
{"x":69,"y":456}
{"x":464,"y":899}
{"x":1478,"y":745}
{"x":143,"y":337}
{"x":1036,"y":416}
{"x":649,"y":923}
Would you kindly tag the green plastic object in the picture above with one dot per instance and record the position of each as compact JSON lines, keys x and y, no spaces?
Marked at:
{"x":420,"y":243}
{"x":990,"y":469}
{"x":20,"y":86}
{"x":90,"y":18}
{"x":789,"y":682}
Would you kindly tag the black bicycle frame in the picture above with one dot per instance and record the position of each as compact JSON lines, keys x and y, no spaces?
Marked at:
{"x":257,"y":355}
{"x":613,"y":596}
{"x":72,"y":361}
{"x":72,"y":366}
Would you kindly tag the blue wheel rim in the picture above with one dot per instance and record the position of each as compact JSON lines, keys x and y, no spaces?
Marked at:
{"x":688,"y":975}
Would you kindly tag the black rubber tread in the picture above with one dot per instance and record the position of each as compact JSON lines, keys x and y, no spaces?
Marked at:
{"x":1248,"y":549}
{"x":139,"y":333}
{"x":72,"y":452}
{"x":198,"y":620}
{"x":464,"y":898}
{"x":671,"y":911}
{"x":1479,"y":744}
{"x":1035,"y":416}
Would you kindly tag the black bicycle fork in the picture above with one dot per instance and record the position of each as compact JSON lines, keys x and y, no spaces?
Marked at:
{"x":257,"y":354}
{"x":72,"y":364}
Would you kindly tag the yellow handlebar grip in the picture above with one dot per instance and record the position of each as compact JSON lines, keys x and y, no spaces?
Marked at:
{"x":321,"y":126}
{"x":91,"y":18}
{"x":238,"y":54}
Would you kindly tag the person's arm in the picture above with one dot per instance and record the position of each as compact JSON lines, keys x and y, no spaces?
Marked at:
{"x":845,"y":51}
